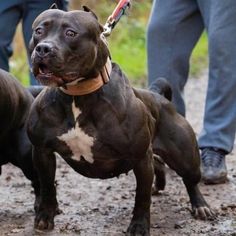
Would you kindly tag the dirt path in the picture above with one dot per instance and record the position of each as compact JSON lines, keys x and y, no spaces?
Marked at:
{"x":103,"y":207}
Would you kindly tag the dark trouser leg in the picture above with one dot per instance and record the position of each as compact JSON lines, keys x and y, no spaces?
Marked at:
{"x":220,"y":110}
{"x":10,"y":15}
{"x":174,"y":28}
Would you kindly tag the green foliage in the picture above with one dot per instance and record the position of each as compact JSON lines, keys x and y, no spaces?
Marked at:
{"x":19,"y":67}
{"x":127,"y":46}
{"x":199,"y":58}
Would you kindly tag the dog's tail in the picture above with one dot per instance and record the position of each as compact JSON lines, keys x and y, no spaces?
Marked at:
{"x":163,"y":87}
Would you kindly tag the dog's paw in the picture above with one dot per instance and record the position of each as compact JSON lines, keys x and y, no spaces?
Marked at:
{"x":138,"y":228}
{"x":203,"y":213}
{"x":44,"y":220}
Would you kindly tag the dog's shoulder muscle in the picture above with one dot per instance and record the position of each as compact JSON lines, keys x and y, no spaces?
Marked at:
{"x":44,"y":116}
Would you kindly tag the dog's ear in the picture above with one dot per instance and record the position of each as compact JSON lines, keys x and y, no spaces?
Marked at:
{"x":87,"y":9}
{"x":54,"y":6}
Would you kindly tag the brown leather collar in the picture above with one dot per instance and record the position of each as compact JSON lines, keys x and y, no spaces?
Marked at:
{"x":84,"y":86}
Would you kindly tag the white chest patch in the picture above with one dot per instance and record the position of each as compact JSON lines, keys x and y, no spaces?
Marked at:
{"x":78,"y":141}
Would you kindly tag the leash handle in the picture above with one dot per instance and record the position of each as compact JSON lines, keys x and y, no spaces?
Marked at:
{"x":114,"y":18}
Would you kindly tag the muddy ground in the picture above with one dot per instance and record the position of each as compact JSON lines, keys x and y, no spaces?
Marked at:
{"x":103,"y":207}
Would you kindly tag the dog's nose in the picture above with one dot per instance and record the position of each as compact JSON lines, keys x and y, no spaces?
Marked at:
{"x":43,"y":49}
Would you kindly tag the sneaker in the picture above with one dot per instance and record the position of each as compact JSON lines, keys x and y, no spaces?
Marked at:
{"x":213,"y":166}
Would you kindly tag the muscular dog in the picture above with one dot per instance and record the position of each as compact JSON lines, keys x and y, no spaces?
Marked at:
{"x":15,"y":147}
{"x":102,"y":127}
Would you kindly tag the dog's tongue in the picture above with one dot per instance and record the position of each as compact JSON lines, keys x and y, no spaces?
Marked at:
{"x":44,"y":69}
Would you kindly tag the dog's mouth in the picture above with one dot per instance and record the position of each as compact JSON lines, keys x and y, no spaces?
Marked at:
{"x":48,"y":77}
{"x":44,"y":70}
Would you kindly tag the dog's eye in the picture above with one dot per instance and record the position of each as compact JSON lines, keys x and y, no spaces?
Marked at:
{"x":38,"y":31}
{"x":71,"y":33}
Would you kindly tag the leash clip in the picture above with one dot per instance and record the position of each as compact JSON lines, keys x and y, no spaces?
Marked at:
{"x":114,"y":18}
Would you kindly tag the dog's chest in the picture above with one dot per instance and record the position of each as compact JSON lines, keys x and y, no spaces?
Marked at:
{"x":77,"y":140}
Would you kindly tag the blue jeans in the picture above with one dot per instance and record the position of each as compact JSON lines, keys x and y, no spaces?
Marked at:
{"x":174,"y":29}
{"x":11,"y":13}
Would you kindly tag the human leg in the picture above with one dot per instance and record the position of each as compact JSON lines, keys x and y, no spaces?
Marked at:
{"x":10,"y":16}
{"x":174,"y":28}
{"x":219,"y":125}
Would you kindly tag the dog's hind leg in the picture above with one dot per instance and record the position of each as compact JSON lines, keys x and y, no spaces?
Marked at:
{"x":140,"y":223}
{"x":160,"y":177}
{"x":175,"y":142}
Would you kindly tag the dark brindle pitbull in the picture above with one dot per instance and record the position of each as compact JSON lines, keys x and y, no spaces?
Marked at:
{"x":98,"y":123}
{"x":15,"y":147}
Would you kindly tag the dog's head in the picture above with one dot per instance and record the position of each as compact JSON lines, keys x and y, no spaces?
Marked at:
{"x":66,"y":46}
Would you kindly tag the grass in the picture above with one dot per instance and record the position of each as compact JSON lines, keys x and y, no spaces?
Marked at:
{"x":127,"y":45}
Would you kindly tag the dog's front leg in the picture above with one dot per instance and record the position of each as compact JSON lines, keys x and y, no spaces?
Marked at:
{"x":144,"y":172}
{"x":45,"y":164}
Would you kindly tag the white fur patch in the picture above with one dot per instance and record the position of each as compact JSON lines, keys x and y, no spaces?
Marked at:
{"x":78,"y":141}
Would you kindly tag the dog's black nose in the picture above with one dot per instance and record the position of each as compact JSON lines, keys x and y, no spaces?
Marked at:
{"x":43,"y":49}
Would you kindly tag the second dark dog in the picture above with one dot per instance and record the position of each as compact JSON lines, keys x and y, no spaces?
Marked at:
{"x":15,"y":146}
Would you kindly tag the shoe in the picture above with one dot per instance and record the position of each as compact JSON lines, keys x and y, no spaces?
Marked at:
{"x":213,"y":166}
